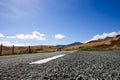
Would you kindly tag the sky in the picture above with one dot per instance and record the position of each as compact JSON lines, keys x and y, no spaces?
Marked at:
{"x":53,"y":22}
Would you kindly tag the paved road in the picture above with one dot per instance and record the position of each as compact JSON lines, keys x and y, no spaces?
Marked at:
{"x":75,"y":65}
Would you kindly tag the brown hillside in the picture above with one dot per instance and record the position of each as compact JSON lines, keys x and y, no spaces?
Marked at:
{"x":112,"y":43}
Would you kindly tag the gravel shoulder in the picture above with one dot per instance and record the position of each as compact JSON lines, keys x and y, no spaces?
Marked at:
{"x":75,"y":65}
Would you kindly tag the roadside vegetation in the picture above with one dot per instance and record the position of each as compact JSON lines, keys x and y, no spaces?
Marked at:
{"x":8,"y":50}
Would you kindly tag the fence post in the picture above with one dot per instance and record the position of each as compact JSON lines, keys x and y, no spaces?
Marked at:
{"x":13,"y":49}
{"x":1,"y":49}
{"x":29,"y":49}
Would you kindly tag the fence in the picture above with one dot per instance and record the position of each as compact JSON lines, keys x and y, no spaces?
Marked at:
{"x":11,"y":50}
{"x":1,"y":50}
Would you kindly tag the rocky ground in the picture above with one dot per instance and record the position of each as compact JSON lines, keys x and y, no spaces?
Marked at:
{"x":75,"y":65}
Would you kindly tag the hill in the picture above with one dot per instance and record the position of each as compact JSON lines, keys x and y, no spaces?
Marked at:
{"x":68,"y":45}
{"x":104,"y":44}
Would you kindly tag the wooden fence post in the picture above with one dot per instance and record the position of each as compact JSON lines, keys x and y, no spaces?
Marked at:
{"x":13,"y":49}
{"x":29,"y":49}
{"x":1,"y":49}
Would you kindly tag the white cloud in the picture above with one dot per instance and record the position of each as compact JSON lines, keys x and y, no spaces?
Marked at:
{"x":38,"y":36}
{"x":23,"y":36}
{"x":11,"y":37}
{"x":59,"y":36}
{"x":7,"y":43}
{"x":1,"y":35}
{"x":104,"y":35}
{"x":35,"y":35}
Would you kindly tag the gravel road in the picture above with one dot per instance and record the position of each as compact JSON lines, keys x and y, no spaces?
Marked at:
{"x":75,"y":65}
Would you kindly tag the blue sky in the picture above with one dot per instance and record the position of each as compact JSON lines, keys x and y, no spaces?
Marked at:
{"x":51,"y":22}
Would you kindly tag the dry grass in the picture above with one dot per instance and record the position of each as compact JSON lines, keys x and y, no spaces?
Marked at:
{"x":7,"y":50}
{"x":107,"y":44}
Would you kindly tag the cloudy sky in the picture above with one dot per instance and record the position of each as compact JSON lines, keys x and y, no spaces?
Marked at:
{"x":51,"y":22}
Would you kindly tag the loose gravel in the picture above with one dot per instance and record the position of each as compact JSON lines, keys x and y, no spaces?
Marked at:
{"x":75,"y":65}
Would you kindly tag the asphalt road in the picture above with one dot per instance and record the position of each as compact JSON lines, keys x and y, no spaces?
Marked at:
{"x":75,"y":65}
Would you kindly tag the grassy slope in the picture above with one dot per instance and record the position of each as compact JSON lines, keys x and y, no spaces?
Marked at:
{"x":107,"y":44}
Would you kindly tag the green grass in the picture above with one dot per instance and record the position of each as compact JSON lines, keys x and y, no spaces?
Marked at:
{"x":91,"y":49}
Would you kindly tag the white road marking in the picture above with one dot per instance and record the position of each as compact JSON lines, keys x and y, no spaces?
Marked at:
{"x":47,"y":59}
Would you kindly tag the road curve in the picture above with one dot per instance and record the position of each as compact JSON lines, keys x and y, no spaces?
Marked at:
{"x":75,"y":65}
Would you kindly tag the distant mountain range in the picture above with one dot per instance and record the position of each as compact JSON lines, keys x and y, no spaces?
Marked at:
{"x":68,"y":45}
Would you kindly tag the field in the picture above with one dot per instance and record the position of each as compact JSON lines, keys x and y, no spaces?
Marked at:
{"x":8,"y":50}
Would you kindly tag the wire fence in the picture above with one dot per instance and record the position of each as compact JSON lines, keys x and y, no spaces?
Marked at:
{"x":13,"y":50}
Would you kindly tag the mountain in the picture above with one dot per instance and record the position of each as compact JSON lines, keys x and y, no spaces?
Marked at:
{"x":100,"y":39}
{"x":108,"y":43}
{"x":68,"y":45}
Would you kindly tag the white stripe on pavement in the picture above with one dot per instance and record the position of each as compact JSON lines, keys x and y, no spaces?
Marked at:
{"x":47,"y":59}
